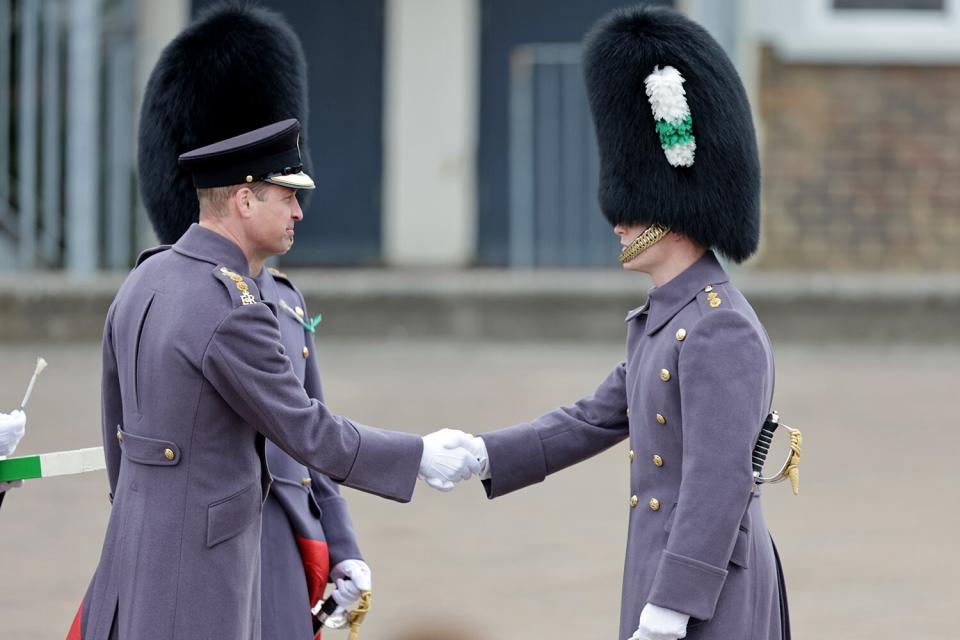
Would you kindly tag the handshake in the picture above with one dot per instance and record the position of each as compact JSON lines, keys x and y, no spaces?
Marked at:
{"x":449,"y":456}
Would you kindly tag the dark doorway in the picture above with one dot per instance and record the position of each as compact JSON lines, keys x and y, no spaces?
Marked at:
{"x":343,"y":43}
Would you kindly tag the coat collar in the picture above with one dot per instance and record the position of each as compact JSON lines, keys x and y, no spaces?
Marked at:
{"x":208,"y":245}
{"x":665,"y":301}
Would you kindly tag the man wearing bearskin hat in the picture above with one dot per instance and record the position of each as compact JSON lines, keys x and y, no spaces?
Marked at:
{"x":236,"y":68}
{"x":679,"y":181}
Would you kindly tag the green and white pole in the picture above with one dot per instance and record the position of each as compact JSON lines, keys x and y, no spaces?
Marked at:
{"x":47,"y":465}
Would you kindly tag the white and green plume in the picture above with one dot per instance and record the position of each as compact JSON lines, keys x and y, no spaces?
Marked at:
{"x":668,"y":100}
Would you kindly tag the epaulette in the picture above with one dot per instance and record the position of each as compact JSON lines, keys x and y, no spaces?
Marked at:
{"x":277,"y":273}
{"x":242,"y":291}
{"x":149,"y":253}
{"x":711,"y":297}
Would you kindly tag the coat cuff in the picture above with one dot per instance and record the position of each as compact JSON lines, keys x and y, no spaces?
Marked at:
{"x":516,"y":459}
{"x":687,"y":585}
{"x":338,"y":530}
{"x":387,"y":463}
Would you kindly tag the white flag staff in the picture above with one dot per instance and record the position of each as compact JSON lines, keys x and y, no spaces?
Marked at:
{"x":41,"y":365}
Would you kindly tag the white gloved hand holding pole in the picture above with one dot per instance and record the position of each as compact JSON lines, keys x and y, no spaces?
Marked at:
{"x":12,"y":427}
{"x":352,"y":577}
{"x":446,"y":459}
{"x":658,"y":623}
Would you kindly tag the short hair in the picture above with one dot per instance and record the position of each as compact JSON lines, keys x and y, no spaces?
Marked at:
{"x":213,"y":199}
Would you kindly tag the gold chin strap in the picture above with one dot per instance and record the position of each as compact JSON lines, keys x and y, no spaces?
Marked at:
{"x":355,"y":619}
{"x":651,"y":236}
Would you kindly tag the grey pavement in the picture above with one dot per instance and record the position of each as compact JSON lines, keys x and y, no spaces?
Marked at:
{"x":869,"y":546}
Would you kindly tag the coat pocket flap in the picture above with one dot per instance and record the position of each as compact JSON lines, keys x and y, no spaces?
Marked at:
{"x":741,"y":550}
{"x":161,"y":453}
{"x":228,"y":517}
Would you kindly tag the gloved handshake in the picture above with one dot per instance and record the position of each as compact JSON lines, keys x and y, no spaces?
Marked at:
{"x":450,"y":456}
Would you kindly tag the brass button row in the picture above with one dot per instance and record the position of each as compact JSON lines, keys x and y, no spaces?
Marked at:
{"x":664,"y":375}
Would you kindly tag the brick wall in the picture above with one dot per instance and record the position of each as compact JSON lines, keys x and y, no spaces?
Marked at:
{"x":861,"y":167}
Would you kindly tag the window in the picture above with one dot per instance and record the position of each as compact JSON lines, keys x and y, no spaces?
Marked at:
{"x":862,"y":31}
{"x":889,"y":5}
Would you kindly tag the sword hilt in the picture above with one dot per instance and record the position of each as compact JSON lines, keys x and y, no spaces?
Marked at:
{"x":762,"y":448}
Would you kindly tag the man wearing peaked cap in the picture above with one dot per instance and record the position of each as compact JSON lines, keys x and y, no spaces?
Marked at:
{"x":236,"y":68}
{"x":679,"y":179}
{"x":195,"y":377}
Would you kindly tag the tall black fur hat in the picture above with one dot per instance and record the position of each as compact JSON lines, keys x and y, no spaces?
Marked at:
{"x":236,"y":68}
{"x":688,"y":164}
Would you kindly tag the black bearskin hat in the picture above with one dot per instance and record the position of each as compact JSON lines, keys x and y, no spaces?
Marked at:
{"x":676,"y":138}
{"x":237,"y":67}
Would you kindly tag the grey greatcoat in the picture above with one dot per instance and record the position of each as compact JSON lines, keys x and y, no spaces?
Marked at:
{"x":307,"y":528}
{"x":194,"y":377}
{"x":691,"y":396}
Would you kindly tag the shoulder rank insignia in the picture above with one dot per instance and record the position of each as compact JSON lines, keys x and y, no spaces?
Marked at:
{"x":713,"y":299}
{"x":245,"y":296}
{"x":310,"y":324}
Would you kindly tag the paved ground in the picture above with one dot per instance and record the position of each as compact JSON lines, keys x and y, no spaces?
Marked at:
{"x":869,"y":546}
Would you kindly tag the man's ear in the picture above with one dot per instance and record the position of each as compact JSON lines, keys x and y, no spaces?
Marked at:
{"x":243,"y":201}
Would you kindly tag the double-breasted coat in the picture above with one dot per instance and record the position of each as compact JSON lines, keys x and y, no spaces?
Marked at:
{"x":194,"y":378}
{"x":307,"y":527}
{"x":691,"y":396}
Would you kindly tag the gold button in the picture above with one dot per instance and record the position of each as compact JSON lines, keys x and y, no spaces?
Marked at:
{"x":661,"y":419}
{"x":681,"y":334}
{"x":298,"y":311}
{"x":654,"y":504}
{"x":658,"y":461}
{"x":708,"y":288}
{"x":634,"y":501}
{"x":249,"y":178}
{"x":306,"y":352}
{"x":664,"y":375}
{"x":715,"y":302}
{"x":711,"y":296}
{"x":631,"y":455}
{"x":306,"y":482}
{"x":119,"y":436}
{"x":169,"y":454}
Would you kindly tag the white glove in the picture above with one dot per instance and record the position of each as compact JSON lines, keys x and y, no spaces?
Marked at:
{"x":657,"y":623}
{"x":351,"y":577}
{"x":12,"y":426}
{"x":479,"y":449}
{"x":446,"y":459}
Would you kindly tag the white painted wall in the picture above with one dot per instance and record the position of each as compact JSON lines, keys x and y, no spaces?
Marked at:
{"x":430,"y":132}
